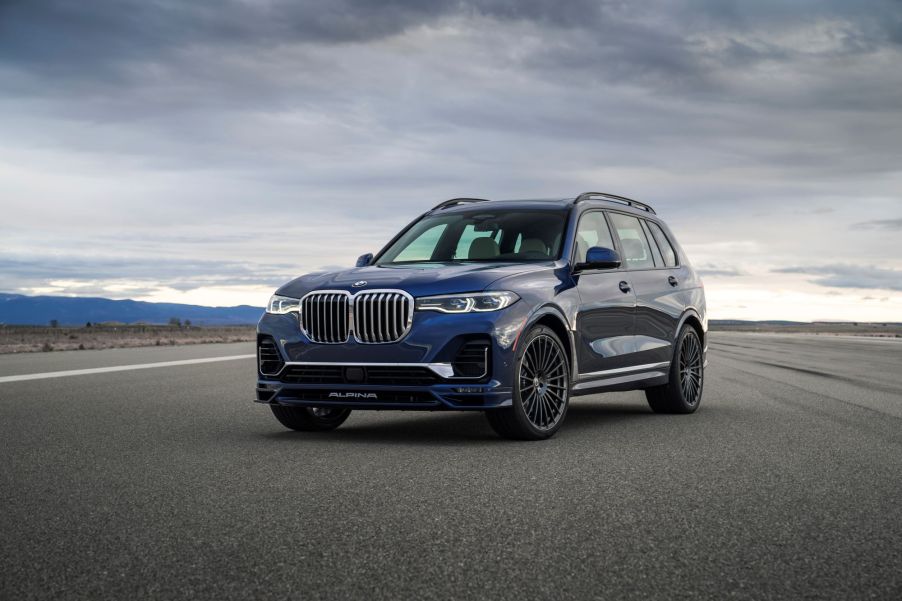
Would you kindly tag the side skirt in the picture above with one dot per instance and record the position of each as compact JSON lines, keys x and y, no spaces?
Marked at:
{"x":624,"y":378}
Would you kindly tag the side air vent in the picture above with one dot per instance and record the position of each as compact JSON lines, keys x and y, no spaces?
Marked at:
{"x":472,"y":360}
{"x":268,"y":358}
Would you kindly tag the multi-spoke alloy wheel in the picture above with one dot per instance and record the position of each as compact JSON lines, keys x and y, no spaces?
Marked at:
{"x":541,"y":389}
{"x":683,"y":392}
{"x":691,"y":369}
{"x":543,"y":382}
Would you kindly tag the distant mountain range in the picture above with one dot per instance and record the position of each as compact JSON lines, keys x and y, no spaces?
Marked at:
{"x":17,"y":309}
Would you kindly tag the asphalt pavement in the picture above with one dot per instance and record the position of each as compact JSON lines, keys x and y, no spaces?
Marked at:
{"x":169,"y":483}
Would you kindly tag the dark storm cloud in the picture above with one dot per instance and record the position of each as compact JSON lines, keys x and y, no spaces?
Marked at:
{"x":183,"y":126}
{"x":80,"y":35}
{"x":850,"y":276}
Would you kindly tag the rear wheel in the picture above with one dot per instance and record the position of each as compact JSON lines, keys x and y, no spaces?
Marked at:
{"x":683,"y":393}
{"x":541,"y":389}
{"x":310,"y":419}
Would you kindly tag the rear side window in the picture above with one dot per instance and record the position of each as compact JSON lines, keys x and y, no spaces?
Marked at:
{"x":663,"y":243}
{"x":593,"y":230}
{"x":636,"y":251}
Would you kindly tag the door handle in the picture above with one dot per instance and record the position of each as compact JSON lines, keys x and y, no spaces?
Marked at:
{"x":673,"y":281}
{"x":624,"y":287}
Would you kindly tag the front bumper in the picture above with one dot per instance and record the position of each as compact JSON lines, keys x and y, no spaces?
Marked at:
{"x":457,"y":395}
{"x":428,"y":347}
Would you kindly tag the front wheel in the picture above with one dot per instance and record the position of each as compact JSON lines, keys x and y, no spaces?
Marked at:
{"x":683,"y":393}
{"x":310,"y":419}
{"x":541,"y":392}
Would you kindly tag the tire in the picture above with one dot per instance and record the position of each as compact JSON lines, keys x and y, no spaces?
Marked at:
{"x":683,"y":393}
{"x":310,"y":419}
{"x":541,"y":392}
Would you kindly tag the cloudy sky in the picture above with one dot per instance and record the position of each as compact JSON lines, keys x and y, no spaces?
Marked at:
{"x":205,"y":152}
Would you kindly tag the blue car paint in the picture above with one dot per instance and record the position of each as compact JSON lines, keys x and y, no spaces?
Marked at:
{"x":606,"y":330}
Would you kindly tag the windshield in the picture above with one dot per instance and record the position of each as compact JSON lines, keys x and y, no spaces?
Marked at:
{"x":487,"y":236}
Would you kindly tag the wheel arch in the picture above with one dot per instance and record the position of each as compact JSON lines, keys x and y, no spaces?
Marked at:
{"x":553,"y":318}
{"x":692,"y":318}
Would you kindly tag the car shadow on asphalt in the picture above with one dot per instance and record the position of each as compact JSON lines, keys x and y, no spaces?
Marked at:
{"x":463,"y":428}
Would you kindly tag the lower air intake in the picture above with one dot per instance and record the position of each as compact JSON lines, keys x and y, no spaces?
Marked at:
{"x":269,"y":361}
{"x":472,"y":360}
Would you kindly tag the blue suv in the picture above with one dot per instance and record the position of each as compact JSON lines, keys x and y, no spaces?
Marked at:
{"x":507,"y":307}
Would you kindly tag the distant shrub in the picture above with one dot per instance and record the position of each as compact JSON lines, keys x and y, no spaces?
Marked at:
{"x":47,"y":347}
{"x":81,"y":346}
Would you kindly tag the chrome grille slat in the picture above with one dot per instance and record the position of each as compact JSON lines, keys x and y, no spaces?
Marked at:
{"x":374,"y":311}
{"x":380,"y":306}
{"x":324,"y":316}
{"x":372,"y":316}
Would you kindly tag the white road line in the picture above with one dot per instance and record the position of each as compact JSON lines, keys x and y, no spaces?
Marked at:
{"x":104,"y":370}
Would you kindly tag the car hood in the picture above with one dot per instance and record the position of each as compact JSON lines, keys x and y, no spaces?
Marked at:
{"x":422,"y":279}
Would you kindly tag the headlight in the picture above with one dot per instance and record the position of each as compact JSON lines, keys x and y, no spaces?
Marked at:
{"x":466,"y":303}
{"x":280,"y":305}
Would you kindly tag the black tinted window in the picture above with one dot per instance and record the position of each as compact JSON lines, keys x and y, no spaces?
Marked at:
{"x":663,"y":244}
{"x":636,"y":251}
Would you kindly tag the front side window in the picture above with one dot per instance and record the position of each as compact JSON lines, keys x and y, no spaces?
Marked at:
{"x":593,"y":230}
{"x":636,"y":251}
{"x":480,"y":235}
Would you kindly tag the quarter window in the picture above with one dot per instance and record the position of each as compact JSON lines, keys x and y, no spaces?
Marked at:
{"x":663,"y":244}
{"x":655,"y":251}
{"x":593,"y":230}
{"x":636,"y":251}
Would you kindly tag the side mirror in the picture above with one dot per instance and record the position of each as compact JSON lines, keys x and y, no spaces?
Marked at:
{"x":364,"y":260}
{"x":599,"y":257}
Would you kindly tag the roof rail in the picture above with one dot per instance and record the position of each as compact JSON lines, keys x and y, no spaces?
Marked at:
{"x":457,"y":201}
{"x":614,"y":198}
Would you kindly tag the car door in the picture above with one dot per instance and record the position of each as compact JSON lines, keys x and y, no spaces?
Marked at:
{"x":605,"y":319}
{"x":672,"y":301}
{"x":657,"y":305}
